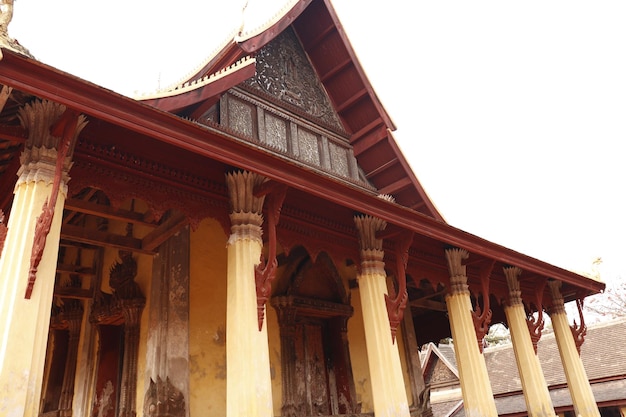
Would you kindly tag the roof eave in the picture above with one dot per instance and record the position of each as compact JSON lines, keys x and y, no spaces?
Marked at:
{"x":35,"y":78}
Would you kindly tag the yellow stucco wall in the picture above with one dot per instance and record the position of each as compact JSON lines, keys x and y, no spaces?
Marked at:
{"x":403,"y":360}
{"x":358,"y":355}
{"x":207,"y":320}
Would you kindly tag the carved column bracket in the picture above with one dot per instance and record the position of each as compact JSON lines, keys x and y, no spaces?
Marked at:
{"x":558,"y":305}
{"x":265,"y":271}
{"x":163,"y":399}
{"x":370,"y":244}
{"x":66,"y":128}
{"x":579,"y":331}
{"x":482,"y":316}
{"x":535,"y":325}
{"x":458,"y":277}
{"x":397,"y":303}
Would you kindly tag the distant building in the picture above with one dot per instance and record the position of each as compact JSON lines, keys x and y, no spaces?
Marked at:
{"x":605,"y":365}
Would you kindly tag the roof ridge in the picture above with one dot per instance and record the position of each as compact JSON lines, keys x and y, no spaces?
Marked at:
{"x":196,"y":69}
{"x":244,"y":35}
{"x":197,"y":83}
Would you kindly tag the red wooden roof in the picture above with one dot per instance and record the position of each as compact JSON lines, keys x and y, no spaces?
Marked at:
{"x":149,"y":129}
{"x":363,"y":116}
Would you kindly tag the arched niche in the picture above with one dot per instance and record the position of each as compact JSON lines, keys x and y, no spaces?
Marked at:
{"x":313,"y":310}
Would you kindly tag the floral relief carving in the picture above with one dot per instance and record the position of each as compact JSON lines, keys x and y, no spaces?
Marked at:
{"x":284,"y":71}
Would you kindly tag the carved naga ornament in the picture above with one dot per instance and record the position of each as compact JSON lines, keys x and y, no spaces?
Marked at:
{"x":536,"y":324}
{"x":579,"y":331}
{"x":482,"y":316}
{"x":3,"y":231}
{"x":396,"y":303}
{"x":265,"y":271}
{"x":66,"y":128}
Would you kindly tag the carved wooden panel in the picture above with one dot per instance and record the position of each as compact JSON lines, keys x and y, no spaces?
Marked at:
{"x":318,"y":397}
{"x":240,"y":117}
{"x":275,"y":132}
{"x":108,"y":376}
{"x":255,"y":119}
{"x":339,"y":159}
{"x":284,"y":71}
{"x":308,"y":144}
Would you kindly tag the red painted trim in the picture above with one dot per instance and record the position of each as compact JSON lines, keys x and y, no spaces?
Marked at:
{"x":45,"y":82}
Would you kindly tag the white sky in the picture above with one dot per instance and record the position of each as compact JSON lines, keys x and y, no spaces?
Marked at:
{"x":512,"y":114}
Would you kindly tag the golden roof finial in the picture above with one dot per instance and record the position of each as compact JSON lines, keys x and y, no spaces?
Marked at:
{"x":6,"y":15}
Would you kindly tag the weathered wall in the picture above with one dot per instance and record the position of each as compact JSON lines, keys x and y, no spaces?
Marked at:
{"x":207,"y":320}
{"x":358,"y":355}
{"x":403,"y":360}
{"x":273,"y":335}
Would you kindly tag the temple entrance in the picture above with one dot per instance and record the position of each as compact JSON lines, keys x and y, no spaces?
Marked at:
{"x":313,"y":311}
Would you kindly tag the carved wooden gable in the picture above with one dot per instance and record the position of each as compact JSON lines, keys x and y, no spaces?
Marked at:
{"x":438,"y":373}
{"x":285,"y":108}
{"x":284,"y":71}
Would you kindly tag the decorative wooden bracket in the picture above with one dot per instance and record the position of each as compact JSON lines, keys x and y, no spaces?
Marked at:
{"x":579,"y":331}
{"x":64,"y":128}
{"x":482,"y":316}
{"x":3,"y":231}
{"x":396,"y":303}
{"x":535,"y":325}
{"x":265,"y":271}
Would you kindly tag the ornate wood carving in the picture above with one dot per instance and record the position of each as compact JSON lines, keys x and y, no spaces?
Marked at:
{"x":458,"y":277}
{"x":245,"y":115}
{"x":162,"y":187}
{"x":73,"y":314}
{"x":65,"y":128}
{"x":316,"y":235}
{"x":482,"y":316}
{"x":163,"y":400}
{"x":558,"y":304}
{"x":579,"y":331}
{"x":124,"y":307}
{"x":299,"y":318}
{"x":284,"y":72}
{"x":396,"y":303}
{"x":423,"y":408}
{"x":265,"y":271}
{"x":535,"y":325}
{"x":3,"y":231}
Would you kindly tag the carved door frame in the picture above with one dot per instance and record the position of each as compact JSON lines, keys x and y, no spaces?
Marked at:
{"x":294,"y":313}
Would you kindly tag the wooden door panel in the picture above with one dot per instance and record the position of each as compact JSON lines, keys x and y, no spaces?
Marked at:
{"x":317,"y":378}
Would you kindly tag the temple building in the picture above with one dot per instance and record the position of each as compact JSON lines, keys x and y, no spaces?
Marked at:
{"x":248,"y":243}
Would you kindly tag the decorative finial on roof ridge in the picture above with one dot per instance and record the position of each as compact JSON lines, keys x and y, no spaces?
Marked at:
{"x":263,"y":26}
{"x":243,"y":18}
{"x":228,"y":39}
{"x":198,"y":82}
{"x":387,"y":197}
{"x":7,"y":42}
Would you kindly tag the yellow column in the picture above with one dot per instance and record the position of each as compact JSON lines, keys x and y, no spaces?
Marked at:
{"x":477,"y":394}
{"x":248,"y":381}
{"x":577,"y":381}
{"x":536,"y":394}
{"x":388,"y":392}
{"x":24,"y":322}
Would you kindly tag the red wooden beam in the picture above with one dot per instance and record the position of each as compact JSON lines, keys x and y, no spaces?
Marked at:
{"x":45,"y":82}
